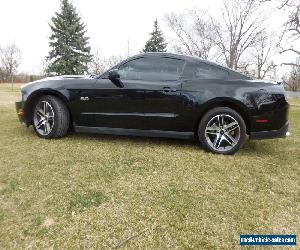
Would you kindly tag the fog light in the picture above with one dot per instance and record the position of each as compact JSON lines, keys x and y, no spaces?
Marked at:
{"x":287,"y":133}
{"x":20,"y":112}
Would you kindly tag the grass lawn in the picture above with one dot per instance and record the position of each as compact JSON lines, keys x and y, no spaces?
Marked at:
{"x":87,"y":191}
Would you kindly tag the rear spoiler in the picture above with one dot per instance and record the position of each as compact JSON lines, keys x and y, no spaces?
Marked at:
{"x":277,"y":82}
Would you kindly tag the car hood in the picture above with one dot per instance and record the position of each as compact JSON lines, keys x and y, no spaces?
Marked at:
{"x":73,"y":77}
{"x":58,"y":80}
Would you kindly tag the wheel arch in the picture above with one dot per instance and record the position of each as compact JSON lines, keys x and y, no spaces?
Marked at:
{"x":33,"y":98}
{"x":235,"y":105}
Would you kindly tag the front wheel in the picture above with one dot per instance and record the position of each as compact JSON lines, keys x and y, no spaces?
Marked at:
{"x":51,"y":118}
{"x":222,"y":131}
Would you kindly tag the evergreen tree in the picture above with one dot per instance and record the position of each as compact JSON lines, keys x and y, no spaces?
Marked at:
{"x":156,"y":43}
{"x":70,"y":51}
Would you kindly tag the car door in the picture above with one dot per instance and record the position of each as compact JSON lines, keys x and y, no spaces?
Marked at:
{"x":118,"y":106}
{"x":163,"y":101}
{"x":149,"y":97}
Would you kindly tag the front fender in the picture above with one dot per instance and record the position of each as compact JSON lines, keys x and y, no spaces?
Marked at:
{"x":31,"y":99}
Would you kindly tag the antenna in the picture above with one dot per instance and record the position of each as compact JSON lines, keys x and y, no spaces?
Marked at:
{"x":128,"y":47}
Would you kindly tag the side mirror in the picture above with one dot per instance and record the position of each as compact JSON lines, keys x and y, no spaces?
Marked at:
{"x":113,"y":75}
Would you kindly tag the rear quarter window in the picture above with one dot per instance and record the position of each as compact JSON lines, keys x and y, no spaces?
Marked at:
{"x":235,"y":75}
{"x":202,"y":70}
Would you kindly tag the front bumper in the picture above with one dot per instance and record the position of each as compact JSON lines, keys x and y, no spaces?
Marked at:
{"x":20,"y":113}
{"x":280,"y":133}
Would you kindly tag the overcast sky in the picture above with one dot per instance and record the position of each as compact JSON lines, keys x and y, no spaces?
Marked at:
{"x":111,"y":24}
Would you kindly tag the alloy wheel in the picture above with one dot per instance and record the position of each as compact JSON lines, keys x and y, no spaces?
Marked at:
{"x":44,"y":118}
{"x":222,"y":132}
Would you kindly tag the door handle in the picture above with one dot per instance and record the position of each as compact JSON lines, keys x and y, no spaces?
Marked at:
{"x":168,"y":89}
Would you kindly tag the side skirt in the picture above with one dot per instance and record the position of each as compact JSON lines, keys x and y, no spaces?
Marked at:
{"x":134,"y":132}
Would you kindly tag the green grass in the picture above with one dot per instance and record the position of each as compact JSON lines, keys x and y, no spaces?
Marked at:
{"x":87,"y":191}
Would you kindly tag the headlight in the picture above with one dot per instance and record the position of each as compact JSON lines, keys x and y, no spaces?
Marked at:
{"x":19,"y":96}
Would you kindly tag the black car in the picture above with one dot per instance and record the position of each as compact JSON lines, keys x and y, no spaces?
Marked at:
{"x":161,"y":95}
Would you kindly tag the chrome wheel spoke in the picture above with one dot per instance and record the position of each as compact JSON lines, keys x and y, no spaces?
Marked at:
{"x":231,"y":126}
{"x":218,"y":141}
{"x":229,"y":139}
{"x":40,"y":113}
{"x":47,"y":127}
{"x":220,"y":121}
{"x":40,"y":123}
{"x":45,"y":108}
{"x":212,"y":130}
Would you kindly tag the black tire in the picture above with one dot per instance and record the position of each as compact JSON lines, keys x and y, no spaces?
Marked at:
{"x":223,"y":138}
{"x":60,"y":122}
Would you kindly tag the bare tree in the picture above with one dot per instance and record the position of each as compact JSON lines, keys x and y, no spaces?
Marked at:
{"x":99,"y":64}
{"x":246,"y":66}
{"x":10,"y":58}
{"x":44,"y":66}
{"x":291,"y":32}
{"x":263,"y":51}
{"x":113,"y":60}
{"x":292,"y":81}
{"x":194,"y":33}
{"x":238,"y":29}
{"x":2,"y":74}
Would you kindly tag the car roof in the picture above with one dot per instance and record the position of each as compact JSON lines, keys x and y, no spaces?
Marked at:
{"x":185,"y":57}
{"x":188,"y":58}
{"x":173,"y":55}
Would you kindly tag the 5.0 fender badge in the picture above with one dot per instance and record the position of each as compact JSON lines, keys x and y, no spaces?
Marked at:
{"x":84,"y":98}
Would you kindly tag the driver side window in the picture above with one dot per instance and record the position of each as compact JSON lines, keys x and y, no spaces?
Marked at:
{"x":129,"y":71}
{"x":152,"y":69}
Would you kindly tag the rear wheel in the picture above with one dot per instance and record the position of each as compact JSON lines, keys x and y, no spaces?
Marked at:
{"x":51,"y":118}
{"x":222,"y":131}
